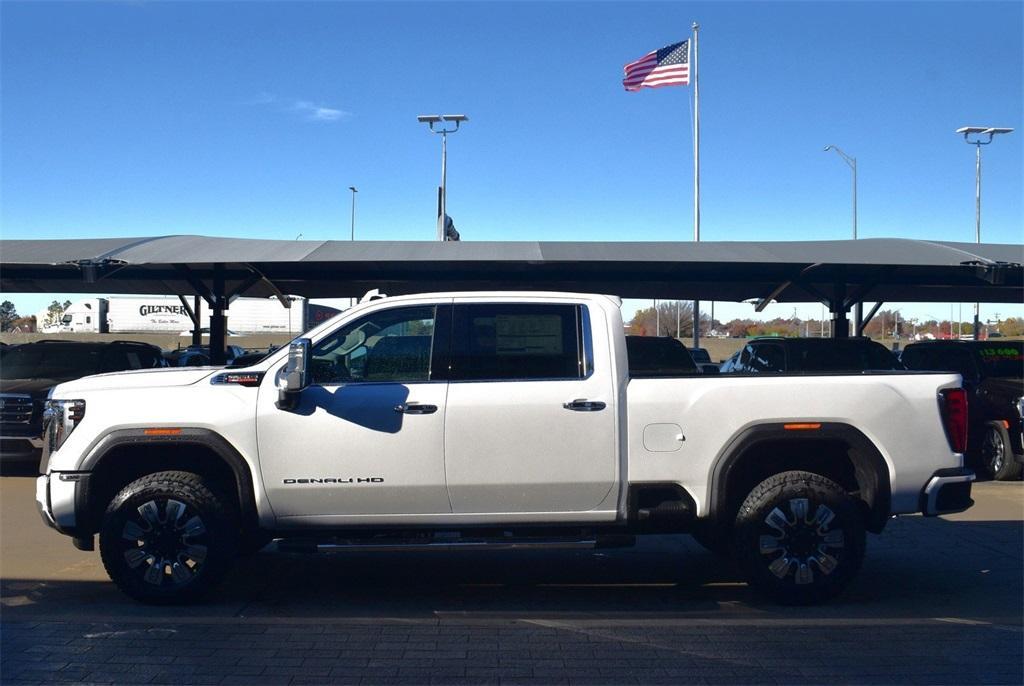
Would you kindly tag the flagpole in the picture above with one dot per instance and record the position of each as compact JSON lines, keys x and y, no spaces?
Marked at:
{"x":696,"y":174}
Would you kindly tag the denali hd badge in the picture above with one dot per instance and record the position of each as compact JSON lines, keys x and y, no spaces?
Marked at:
{"x":331,"y":480}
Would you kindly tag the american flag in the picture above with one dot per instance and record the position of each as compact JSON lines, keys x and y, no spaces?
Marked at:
{"x":669,"y":66}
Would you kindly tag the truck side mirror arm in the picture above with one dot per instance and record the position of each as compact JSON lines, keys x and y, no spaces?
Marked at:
{"x":295,"y":376}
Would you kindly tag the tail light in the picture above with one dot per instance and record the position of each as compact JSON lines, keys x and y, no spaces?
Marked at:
{"x":953,"y":405}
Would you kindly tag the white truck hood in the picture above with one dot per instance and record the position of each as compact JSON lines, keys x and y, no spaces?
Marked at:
{"x":141,"y":378}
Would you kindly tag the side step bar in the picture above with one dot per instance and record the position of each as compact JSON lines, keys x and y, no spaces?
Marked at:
{"x":286,"y":545}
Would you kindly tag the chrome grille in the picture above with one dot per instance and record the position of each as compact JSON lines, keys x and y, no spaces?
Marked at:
{"x":15,"y":409}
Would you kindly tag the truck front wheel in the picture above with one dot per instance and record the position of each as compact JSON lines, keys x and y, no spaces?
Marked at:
{"x":168,"y":538}
{"x":799,"y":537}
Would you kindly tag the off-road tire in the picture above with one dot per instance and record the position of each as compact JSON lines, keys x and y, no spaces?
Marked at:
{"x":799,"y":538}
{"x":168,"y":538}
{"x":996,"y":456}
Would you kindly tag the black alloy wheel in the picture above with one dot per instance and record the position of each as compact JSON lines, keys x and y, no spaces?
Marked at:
{"x":168,"y":538}
{"x":799,"y":537}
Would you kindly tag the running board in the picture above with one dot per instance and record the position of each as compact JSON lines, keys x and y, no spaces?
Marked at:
{"x":308,"y":547}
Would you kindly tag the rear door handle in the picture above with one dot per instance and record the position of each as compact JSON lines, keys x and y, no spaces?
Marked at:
{"x":416,"y":408}
{"x":581,"y":405}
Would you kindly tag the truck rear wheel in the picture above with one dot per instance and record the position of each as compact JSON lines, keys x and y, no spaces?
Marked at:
{"x":996,"y":455}
{"x":799,"y":538}
{"x":168,"y":538}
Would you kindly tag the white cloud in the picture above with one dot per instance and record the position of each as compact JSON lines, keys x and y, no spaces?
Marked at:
{"x":314,"y":112}
{"x":306,"y":109}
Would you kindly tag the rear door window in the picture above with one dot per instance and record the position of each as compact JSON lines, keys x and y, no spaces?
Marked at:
{"x":492,"y":342}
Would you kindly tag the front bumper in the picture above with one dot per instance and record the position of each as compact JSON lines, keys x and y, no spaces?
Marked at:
{"x":60,"y":497}
{"x":948,"y":491}
{"x":20,"y":445}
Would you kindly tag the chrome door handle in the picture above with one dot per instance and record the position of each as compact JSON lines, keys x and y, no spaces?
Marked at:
{"x":581,"y":405}
{"x":416,"y":408}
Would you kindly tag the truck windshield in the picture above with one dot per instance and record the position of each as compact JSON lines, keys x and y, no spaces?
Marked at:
{"x":46,"y":361}
{"x":1005,"y":359}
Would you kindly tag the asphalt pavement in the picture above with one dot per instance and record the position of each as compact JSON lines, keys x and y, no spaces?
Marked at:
{"x":939,"y":601}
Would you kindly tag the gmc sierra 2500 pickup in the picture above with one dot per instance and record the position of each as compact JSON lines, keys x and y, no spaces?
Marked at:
{"x":491,"y":417}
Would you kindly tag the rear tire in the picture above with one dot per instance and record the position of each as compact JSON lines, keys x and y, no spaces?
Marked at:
{"x":799,"y":538}
{"x":168,"y":538}
{"x":996,"y":458}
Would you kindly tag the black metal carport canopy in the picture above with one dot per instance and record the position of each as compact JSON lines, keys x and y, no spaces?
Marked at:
{"x":838,"y":273}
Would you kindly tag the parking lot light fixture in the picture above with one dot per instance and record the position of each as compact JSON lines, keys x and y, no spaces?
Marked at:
{"x":440,"y":121}
{"x":979,"y":136}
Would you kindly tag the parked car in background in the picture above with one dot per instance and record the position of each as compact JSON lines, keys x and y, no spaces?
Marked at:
{"x":993,"y":373}
{"x":251,"y":357}
{"x":657,"y":357}
{"x":28,"y":371}
{"x":199,"y":355}
{"x":811,"y":356}
{"x":703,"y":360}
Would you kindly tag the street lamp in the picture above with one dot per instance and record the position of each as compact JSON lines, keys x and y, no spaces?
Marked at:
{"x":436,"y":119}
{"x":858,"y":310}
{"x":980,"y":133}
{"x":354,"y":191}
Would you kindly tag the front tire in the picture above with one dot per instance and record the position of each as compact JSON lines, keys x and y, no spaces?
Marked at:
{"x":996,"y":455}
{"x":168,"y":538}
{"x":799,"y":538}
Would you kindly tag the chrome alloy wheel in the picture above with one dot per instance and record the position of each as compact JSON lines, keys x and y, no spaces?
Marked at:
{"x":993,"y":450}
{"x":801,"y":541}
{"x":165,"y":543}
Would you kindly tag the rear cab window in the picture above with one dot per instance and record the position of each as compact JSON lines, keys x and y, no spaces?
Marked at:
{"x":652,"y":357}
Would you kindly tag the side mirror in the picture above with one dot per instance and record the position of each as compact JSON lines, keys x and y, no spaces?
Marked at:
{"x":295,"y":375}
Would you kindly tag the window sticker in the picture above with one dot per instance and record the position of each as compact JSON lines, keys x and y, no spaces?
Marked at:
{"x":539,"y":334}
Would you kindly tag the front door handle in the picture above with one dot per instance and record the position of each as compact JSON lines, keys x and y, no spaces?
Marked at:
{"x":415,"y":408}
{"x":581,"y":405}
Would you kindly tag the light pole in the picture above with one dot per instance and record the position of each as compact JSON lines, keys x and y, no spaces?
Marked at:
{"x":354,"y":191}
{"x":430,"y":120}
{"x":352,"y":301}
{"x":979,"y":132}
{"x":851,"y":162}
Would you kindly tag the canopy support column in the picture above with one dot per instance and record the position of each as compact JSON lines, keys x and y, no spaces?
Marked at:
{"x":218,"y":320}
{"x":839,"y":309}
{"x":197,"y":330}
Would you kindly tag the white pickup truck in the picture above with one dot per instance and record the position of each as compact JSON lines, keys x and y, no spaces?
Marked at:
{"x":461,"y":419}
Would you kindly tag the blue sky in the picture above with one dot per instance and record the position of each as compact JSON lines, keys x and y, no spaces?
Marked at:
{"x":252,"y":119}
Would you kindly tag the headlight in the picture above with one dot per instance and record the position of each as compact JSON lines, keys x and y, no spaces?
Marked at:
{"x":60,"y":417}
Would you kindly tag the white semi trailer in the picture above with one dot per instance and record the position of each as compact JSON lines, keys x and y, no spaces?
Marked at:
{"x":167,"y":314}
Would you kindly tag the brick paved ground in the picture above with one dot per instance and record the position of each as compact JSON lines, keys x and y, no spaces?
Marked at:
{"x":939,"y":601}
{"x":513,"y":652}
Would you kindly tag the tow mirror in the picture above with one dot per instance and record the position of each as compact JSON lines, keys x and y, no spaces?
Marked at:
{"x":295,"y":375}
